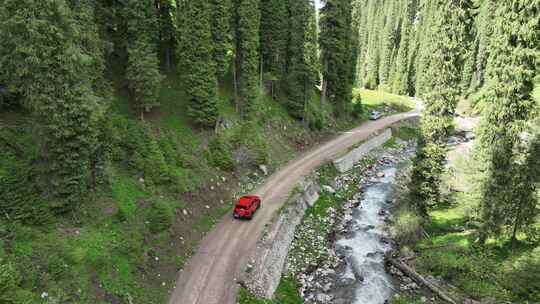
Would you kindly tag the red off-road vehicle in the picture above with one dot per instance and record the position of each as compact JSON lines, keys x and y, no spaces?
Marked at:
{"x":247,"y":206}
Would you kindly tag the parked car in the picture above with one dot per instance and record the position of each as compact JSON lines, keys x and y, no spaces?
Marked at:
{"x":375,"y":115}
{"x":247,"y":206}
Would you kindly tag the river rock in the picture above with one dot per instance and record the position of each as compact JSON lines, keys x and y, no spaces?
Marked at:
{"x":323,"y":298}
{"x":329,"y":189}
{"x":263,"y":169}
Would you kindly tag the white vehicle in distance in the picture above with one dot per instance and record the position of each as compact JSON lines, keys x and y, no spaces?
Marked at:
{"x":375,"y":115}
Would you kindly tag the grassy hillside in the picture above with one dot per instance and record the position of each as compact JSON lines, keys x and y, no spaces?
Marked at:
{"x":167,"y":184}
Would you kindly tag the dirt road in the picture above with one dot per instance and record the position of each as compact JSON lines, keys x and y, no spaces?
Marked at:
{"x":209,"y":277}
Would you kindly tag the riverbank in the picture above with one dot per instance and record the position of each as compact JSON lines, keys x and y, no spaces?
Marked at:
{"x":446,"y":252}
{"x":314,"y":265}
{"x":350,"y":267}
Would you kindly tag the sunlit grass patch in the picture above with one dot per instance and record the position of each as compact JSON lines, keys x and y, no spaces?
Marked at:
{"x":378,"y":99}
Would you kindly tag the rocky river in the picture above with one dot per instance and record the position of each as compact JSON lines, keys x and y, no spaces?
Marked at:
{"x":365,"y":244}
{"x":354,"y":271}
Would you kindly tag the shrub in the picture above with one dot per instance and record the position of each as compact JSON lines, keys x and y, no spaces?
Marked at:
{"x":407,"y":228}
{"x":220,"y":155}
{"x":316,"y":122}
{"x":448,"y":264}
{"x":161,"y":217}
{"x":357,"y":110}
{"x":259,"y":150}
{"x":247,"y":135}
{"x":371,"y":83}
{"x":20,"y":195}
{"x":10,"y":291}
{"x":154,"y":166}
{"x":9,"y":277}
{"x":357,"y":107}
{"x":523,"y":276}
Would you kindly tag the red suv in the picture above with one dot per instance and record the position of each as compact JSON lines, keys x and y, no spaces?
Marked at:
{"x":246,"y":206}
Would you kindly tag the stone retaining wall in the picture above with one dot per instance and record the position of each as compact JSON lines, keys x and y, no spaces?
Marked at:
{"x":346,"y":163}
{"x":264,"y":272}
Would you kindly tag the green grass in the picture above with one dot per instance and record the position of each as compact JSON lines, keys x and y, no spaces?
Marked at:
{"x":286,"y":293}
{"x":245,"y":297}
{"x":173,"y":111}
{"x":403,"y":133}
{"x":536,"y":93}
{"x":453,"y":253}
{"x":125,"y":191}
{"x":376,"y":100}
{"x":407,"y":299}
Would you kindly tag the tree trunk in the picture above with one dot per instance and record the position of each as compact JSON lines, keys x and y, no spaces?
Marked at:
{"x":324,"y":84}
{"x":235,"y":80}
{"x":304,"y":115}
{"x":517,"y":223}
{"x":168,"y":58}
{"x":261,"y":73}
{"x":418,"y":278}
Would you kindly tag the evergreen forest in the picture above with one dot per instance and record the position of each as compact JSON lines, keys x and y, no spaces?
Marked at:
{"x":129,"y":127}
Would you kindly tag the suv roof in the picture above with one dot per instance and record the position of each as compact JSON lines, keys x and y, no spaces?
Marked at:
{"x":246,"y":200}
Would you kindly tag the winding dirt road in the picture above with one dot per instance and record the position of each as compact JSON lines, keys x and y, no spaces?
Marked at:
{"x":209,"y":277}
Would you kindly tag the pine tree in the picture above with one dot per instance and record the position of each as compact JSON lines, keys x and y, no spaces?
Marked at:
{"x":142,"y":70}
{"x":49,"y":70}
{"x":222,"y":35}
{"x":275,"y":18}
{"x":444,"y":64}
{"x":388,"y":41}
{"x":183,"y":45}
{"x":247,"y":26}
{"x":167,"y":30}
{"x":402,"y":75}
{"x":300,"y":77}
{"x":92,"y":43}
{"x":373,"y":56}
{"x":524,"y":206}
{"x":363,"y":14}
{"x":201,"y":81}
{"x":337,"y":41}
{"x":423,"y":50}
{"x":511,"y":67}
{"x":353,"y":48}
{"x":311,"y":41}
{"x":483,"y":32}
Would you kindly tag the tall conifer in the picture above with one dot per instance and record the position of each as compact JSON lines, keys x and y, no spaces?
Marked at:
{"x":142,"y":71}
{"x":337,"y":48}
{"x":247,"y":22}
{"x":401,"y":77}
{"x":275,"y":20}
{"x":512,"y":64}
{"x":201,"y":81}
{"x":167,"y":30}
{"x":388,"y":41}
{"x":222,"y":35}
{"x":300,"y":77}
{"x":48,"y":68}
{"x":444,"y":63}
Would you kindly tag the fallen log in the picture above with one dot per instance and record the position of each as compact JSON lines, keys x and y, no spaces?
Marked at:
{"x":418,"y":278}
